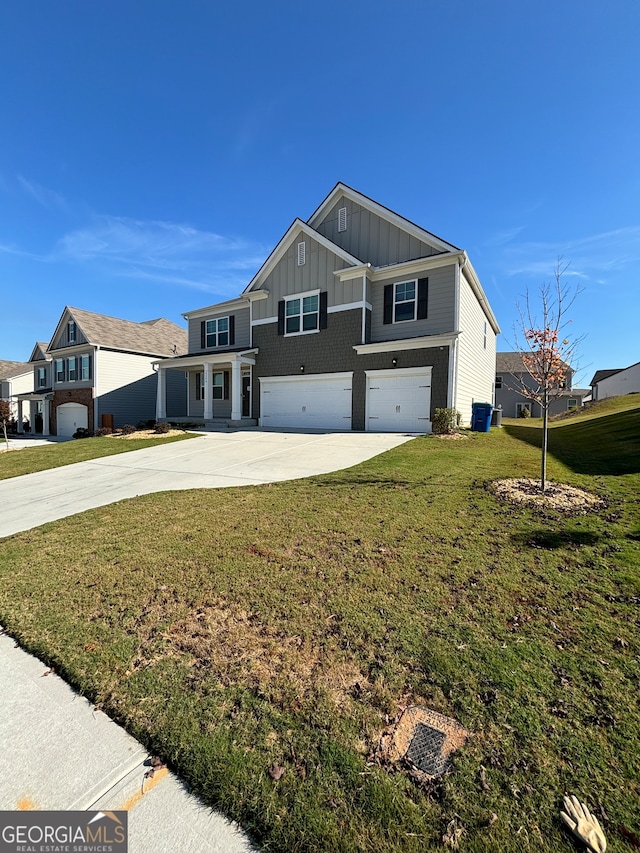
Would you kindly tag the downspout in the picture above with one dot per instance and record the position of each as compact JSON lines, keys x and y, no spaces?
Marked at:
{"x":95,"y":388}
{"x":453,"y":354}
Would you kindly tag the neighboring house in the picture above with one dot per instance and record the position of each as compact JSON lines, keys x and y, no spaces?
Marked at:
{"x":99,"y":370}
{"x":614,"y":383}
{"x":358,"y":320}
{"x":15,"y":377}
{"x":511,"y":375}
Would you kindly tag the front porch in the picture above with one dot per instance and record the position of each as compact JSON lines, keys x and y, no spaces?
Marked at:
{"x":218,"y":388}
{"x":39,"y":405}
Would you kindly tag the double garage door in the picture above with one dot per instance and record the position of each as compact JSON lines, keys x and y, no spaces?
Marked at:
{"x":396,"y":401}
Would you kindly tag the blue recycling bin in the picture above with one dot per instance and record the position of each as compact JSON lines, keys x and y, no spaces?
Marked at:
{"x":481,"y":417}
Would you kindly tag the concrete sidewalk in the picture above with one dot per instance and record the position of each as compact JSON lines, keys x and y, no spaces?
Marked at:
{"x":59,"y":753}
{"x":213,"y":460}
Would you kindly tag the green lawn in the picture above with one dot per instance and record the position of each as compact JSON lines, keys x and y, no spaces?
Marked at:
{"x":31,"y":459}
{"x":286,"y":624}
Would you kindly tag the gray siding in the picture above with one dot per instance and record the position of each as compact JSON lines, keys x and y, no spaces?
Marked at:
{"x":331,"y":351}
{"x":371,"y":238}
{"x":176,"y":394}
{"x":77,"y":383}
{"x":221,"y":408}
{"x":130,"y":403}
{"x":242,"y":329}
{"x":61,"y":340}
{"x":509,"y":396}
{"x":317,"y":273}
{"x":48,"y":374}
{"x":441,"y":307}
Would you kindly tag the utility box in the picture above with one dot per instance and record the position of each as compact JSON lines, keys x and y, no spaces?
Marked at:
{"x":106,"y":421}
{"x":496,"y":417}
{"x":481,"y":417}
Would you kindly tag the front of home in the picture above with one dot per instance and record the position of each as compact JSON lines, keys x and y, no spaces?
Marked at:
{"x":358,"y":320}
{"x":15,"y":377}
{"x":99,"y":371}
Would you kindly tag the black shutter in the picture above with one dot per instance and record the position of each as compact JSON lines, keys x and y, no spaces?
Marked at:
{"x":203,"y":336}
{"x":323,"y":309}
{"x":281,"y":317}
{"x":388,"y":304}
{"x":90,"y":367}
{"x":423,"y":298}
{"x":198,"y":385}
{"x":226,"y":385}
{"x":232,"y":330}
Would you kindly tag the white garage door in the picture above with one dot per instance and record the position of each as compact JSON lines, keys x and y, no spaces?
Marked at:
{"x":317,"y":402}
{"x":70,"y":417}
{"x":399,"y":400}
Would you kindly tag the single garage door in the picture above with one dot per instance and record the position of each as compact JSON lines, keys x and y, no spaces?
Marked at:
{"x":322,"y":401}
{"x":70,"y":417}
{"x":399,"y":400}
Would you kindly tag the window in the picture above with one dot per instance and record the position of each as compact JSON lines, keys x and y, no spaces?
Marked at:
{"x":42,"y":377}
{"x":71,"y":332}
{"x":342,"y":219}
{"x":302,"y":254}
{"x":572,"y":403}
{"x":498,"y":381}
{"x":302,"y":314}
{"x":218,"y":386}
{"x":59,"y":363}
{"x":199,"y":386}
{"x":217,"y":332}
{"x":85,"y":367}
{"x":404,"y":301}
{"x":72,"y":373}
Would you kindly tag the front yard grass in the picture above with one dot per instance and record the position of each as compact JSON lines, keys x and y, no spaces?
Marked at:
{"x":31,"y":459}
{"x":239,"y":630}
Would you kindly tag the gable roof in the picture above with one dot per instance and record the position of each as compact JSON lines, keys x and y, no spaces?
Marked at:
{"x":511,"y":362}
{"x":599,"y":375}
{"x":11,"y":369}
{"x":152,"y":337}
{"x":341,"y":189}
{"x":285,"y":241}
{"x":39,"y":351}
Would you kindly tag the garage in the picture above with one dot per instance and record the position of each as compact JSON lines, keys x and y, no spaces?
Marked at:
{"x":322,"y":401}
{"x":70,"y":417}
{"x":399,"y":400}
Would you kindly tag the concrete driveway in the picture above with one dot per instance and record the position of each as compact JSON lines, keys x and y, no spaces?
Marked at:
{"x":212,"y":460}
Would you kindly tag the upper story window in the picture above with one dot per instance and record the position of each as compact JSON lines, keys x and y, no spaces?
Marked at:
{"x":85,"y":367}
{"x":72,"y":369}
{"x":498,"y":381}
{"x":42,"y":377}
{"x":71,"y":332}
{"x":302,"y":314}
{"x":217,"y":332}
{"x":59,"y":369}
{"x":406,"y":300}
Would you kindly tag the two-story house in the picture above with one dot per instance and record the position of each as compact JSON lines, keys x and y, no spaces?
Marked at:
{"x":358,"y":320}
{"x":512,"y":376}
{"x":15,"y":376}
{"x":99,"y":370}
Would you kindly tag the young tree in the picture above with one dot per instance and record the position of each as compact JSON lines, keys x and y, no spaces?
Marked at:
{"x":5,"y":418}
{"x":546,"y":348}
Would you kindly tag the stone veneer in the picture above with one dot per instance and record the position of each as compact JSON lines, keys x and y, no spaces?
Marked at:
{"x":331,"y":351}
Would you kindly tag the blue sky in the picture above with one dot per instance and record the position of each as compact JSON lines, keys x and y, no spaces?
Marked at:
{"x":152,"y":153}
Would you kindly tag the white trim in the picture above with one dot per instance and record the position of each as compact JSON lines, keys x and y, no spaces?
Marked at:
{"x":347,"y":306}
{"x":396,"y":284}
{"x":342,"y":219}
{"x":264,"y":321}
{"x":94,"y":383}
{"x":364,"y":309}
{"x":307,"y":376}
{"x":283,"y":245}
{"x":300,"y":297}
{"x":244,"y":357}
{"x":451,"y":374}
{"x":424,"y":342}
{"x":379,"y":210}
{"x":216,"y":320}
{"x":301,"y":253}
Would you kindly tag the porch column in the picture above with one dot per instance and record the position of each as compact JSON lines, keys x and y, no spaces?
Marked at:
{"x":45,"y":416}
{"x":208,"y":391}
{"x":161,"y":395}
{"x":236,"y":390}
{"x":20,"y":427}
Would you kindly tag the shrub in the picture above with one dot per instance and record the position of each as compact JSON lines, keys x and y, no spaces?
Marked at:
{"x":127,"y":429}
{"x":162,"y":428}
{"x":82,"y":432}
{"x":148,"y":424}
{"x":103,"y":431}
{"x":525,"y":413}
{"x":445,"y":421}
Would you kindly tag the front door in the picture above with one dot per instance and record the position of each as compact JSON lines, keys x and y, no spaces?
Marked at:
{"x":246,"y":401}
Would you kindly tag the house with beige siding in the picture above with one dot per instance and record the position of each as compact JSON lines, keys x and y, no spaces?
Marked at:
{"x":358,"y":320}
{"x":99,"y":371}
{"x":15,"y":376}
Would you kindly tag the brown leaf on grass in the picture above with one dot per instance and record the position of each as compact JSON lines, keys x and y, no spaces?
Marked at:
{"x":48,"y":671}
{"x":90,"y":647}
{"x":276,"y":771}
{"x":454,"y":832}
{"x":620,"y":643}
{"x":482,"y":775}
{"x":492,"y":819}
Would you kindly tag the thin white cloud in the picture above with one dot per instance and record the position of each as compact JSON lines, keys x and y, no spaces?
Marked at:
{"x":167,"y":252}
{"x":45,"y":197}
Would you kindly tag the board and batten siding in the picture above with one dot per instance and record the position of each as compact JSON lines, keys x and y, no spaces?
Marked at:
{"x":62,"y":338}
{"x":242,"y":330}
{"x":476,"y":367}
{"x":371,"y":238}
{"x":440,"y":307}
{"x":316,"y":273}
{"x":126,"y":386}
